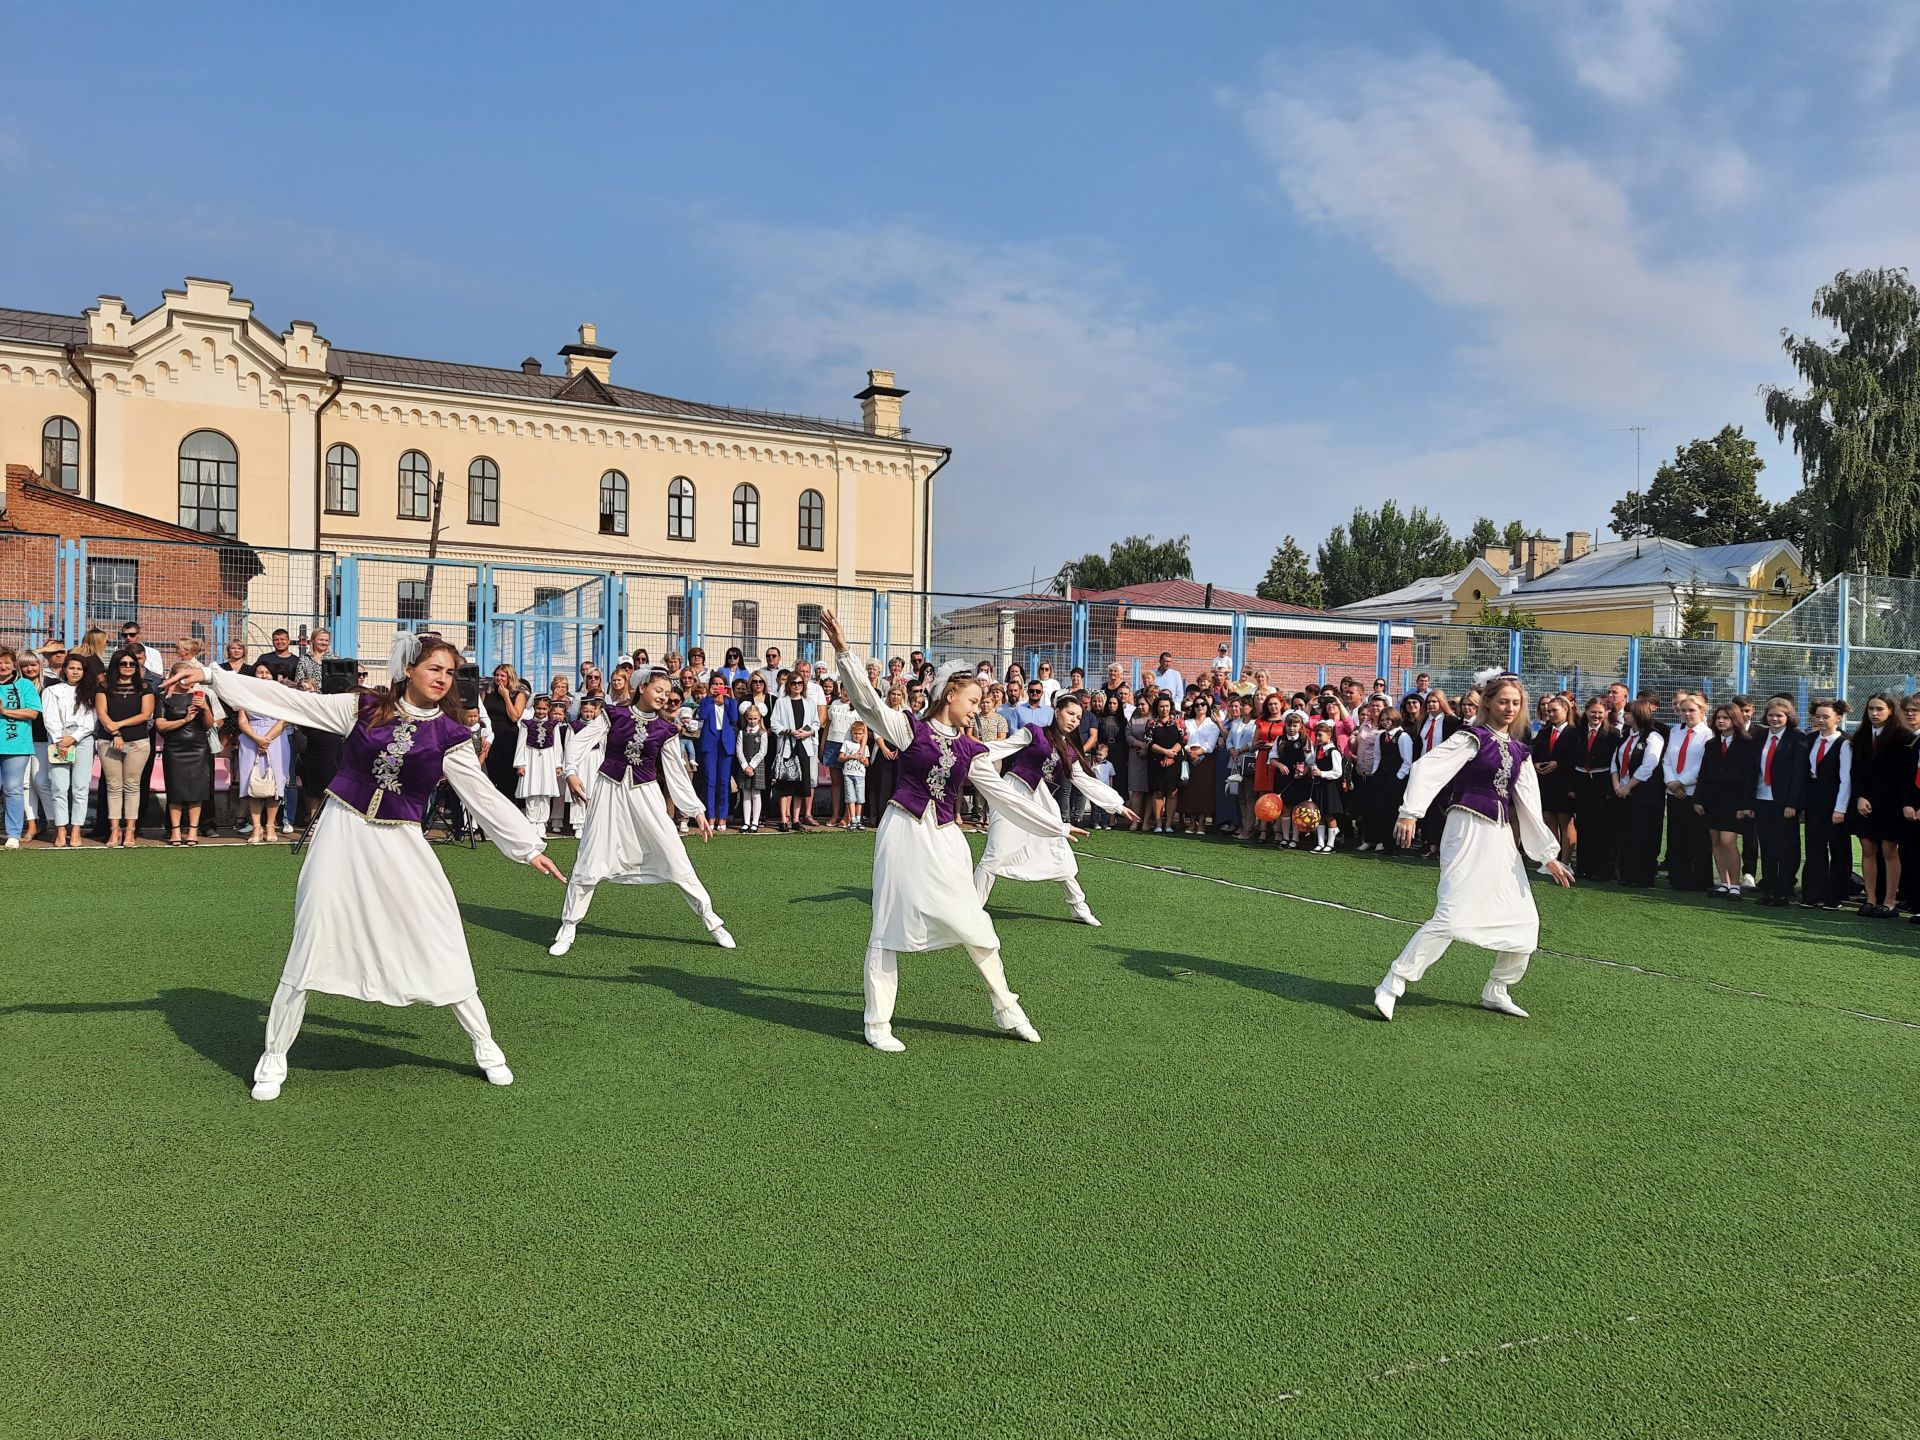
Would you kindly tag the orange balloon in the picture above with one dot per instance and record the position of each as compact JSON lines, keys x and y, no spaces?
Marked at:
{"x":1268,"y":808}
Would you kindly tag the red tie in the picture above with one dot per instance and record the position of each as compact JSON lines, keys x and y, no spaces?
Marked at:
{"x":1820,"y":754}
{"x":1626,"y":758}
{"x":1591,"y":735}
{"x":1686,"y":739}
{"x":1766,"y":772}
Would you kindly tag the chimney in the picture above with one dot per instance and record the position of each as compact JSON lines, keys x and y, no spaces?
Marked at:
{"x":588,"y":354}
{"x":530,"y":366}
{"x":1579,"y":542}
{"x":1542,"y":555}
{"x":880,"y":404}
{"x":1498,"y":556}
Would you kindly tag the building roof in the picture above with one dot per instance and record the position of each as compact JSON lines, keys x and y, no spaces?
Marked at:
{"x":1428,"y":589}
{"x":48,"y":329}
{"x":1191,"y":595}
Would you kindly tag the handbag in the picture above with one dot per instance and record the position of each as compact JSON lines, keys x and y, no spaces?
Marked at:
{"x":786,"y":770}
{"x":260,"y":782}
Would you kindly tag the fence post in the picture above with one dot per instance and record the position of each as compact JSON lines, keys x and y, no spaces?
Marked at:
{"x":1633,"y":666}
{"x":1239,"y":644}
{"x":1136,"y":674}
{"x":1740,"y":659}
{"x":483,"y":646}
{"x":1322,"y":681}
{"x":217,"y":641}
{"x":696,"y":618}
{"x":882,"y":644}
{"x":1515,"y":652}
{"x":1843,"y":592}
{"x":1384,"y":643}
{"x":1077,"y":643}
{"x":79,"y":557}
{"x":347,"y":598}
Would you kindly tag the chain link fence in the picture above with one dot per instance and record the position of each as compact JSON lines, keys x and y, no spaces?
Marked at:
{"x":29,"y":590}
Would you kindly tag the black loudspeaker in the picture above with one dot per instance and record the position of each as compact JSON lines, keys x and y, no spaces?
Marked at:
{"x":466,"y":684}
{"x":339,"y":675}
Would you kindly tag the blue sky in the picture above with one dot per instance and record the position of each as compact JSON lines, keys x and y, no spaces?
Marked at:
{"x":1225,"y":269}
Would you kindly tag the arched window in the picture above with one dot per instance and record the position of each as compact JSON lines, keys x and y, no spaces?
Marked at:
{"x":680,"y":509}
{"x":813,"y":520}
{"x":209,"y":484}
{"x":613,"y":503}
{"x":416,"y":486}
{"x":343,"y":480}
{"x":60,"y":452}
{"x":746,"y":515}
{"x":483,"y":492}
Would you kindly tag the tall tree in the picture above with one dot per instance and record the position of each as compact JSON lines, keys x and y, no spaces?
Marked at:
{"x":1290,"y":577}
{"x":1135,"y":560}
{"x":1383,"y":549}
{"x":1856,"y":426}
{"x":1708,"y":494}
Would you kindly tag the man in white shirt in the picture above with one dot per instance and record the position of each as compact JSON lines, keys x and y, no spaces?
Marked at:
{"x":150,"y":660}
{"x":1687,"y":844}
{"x":1170,"y":679}
{"x":770,"y":672}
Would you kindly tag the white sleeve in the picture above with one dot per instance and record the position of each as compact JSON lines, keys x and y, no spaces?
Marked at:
{"x":519,"y":745}
{"x":1097,"y":791}
{"x":1013,"y":800}
{"x":503,"y":821}
{"x":1339,"y":765}
{"x":581,"y":741}
{"x":1650,"y":762}
{"x":673,"y":769}
{"x":1433,"y":770}
{"x":1844,"y":799}
{"x":1535,"y":837}
{"x":1405,"y":746}
{"x":1008,"y":745}
{"x":338,"y":713}
{"x":889,"y":725}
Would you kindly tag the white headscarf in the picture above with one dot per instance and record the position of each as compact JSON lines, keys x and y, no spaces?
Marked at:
{"x":952,"y":670}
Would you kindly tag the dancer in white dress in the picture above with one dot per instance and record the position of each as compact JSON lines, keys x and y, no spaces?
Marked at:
{"x":540,"y":753}
{"x":628,"y":837}
{"x":923,"y":896}
{"x":582,"y":758}
{"x":373,"y":914}
{"x":1014,"y":853}
{"x":1485,"y":898}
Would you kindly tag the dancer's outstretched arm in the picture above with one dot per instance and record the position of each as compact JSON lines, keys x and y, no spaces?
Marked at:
{"x":583,"y":745}
{"x":1013,"y":800}
{"x":337,"y":713}
{"x":889,"y":725}
{"x":673,"y":769}
{"x":1535,"y":838}
{"x":506,"y":826}
{"x":1098,"y":791}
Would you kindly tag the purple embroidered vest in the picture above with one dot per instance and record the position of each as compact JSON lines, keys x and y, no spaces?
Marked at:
{"x":633,"y":750}
{"x":542,"y":734}
{"x":932,"y":769}
{"x":1036,"y":764}
{"x":1486,"y":784}
{"x":389,"y":772}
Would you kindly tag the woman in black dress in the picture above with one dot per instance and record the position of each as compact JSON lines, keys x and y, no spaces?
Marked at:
{"x":1882,"y":764}
{"x":1164,"y":742}
{"x":506,"y":699}
{"x":185,"y":723}
{"x":1724,"y":794}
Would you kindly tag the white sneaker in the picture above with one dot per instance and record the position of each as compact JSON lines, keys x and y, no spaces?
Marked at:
{"x":880,"y":1037}
{"x":724,"y":940}
{"x":268,"y":1076}
{"x":1495,"y":997}
{"x":266,"y":1090}
{"x":13,"y":842}
{"x":1747,"y":882}
{"x":563,"y":942}
{"x":1086,"y":916}
{"x":1383,"y":999}
{"x":498,"y":1075}
{"x":1015,"y":1019}
{"x":683,"y":827}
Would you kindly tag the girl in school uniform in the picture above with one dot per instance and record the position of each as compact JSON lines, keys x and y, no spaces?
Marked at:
{"x":1328,"y":768}
{"x":1389,"y":783}
{"x":1882,"y":766}
{"x":1689,"y":852}
{"x":1828,"y":803}
{"x":1290,"y":753}
{"x":1638,"y":796}
{"x":750,"y":767}
{"x":1559,"y":784}
{"x":1588,"y":754}
{"x":1724,"y":796}
{"x":1779,"y":793}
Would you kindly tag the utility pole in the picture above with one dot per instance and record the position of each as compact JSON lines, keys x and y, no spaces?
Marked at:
{"x":1639,"y":496}
{"x":433,"y":536}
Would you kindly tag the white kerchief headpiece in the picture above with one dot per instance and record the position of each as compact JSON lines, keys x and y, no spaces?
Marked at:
{"x":406,"y":649}
{"x":953,"y":669}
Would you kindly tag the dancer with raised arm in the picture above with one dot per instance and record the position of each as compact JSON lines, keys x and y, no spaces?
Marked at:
{"x":1485,"y":898}
{"x":373,"y":914}
{"x":1015,"y":853}
{"x":923,"y":896}
{"x":628,"y":838}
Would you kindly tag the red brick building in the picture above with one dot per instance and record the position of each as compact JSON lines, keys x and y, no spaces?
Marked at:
{"x":174,"y":581}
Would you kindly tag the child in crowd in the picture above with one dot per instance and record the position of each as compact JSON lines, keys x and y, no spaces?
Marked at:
{"x":1328,"y":766}
{"x":1103,"y":772}
{"x":750,"y":767}
{"x":853,"y":773}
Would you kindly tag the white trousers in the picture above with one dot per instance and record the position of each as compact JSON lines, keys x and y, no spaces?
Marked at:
{"x":1429,"y":943}
{"x":580,"y":898}
{"x":883,"y":982}
{"x":983,"y":887}
{"x":539,"y":810}
{"x":289,"y":1008}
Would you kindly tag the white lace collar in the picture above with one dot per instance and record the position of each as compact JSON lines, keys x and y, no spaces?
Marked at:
{"x":415,"y":712}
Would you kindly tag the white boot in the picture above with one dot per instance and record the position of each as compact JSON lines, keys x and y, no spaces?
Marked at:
{"x":1495,"y":997}
{"x":1015,"y":1019}
{"x":268,"y":1076}
{"x":1085,"y":916}
{"x":1385,"y":994}
{"x":722,"y":938}
{"x":498,"y":1075}
{"x":562,"y":942}
{"x":880,"y":1037}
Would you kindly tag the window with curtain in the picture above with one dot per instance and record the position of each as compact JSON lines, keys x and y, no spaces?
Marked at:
{"x":483,"y":492}
{"x":613,"y":503}
{"x":680,"y":509}
{"x":813,"y":520}
{"x":60,"y":452}
{"x":746,"y":515}
{"x":209,"y":484}
{"x":343,"y":480}
{"x":416,"y":486}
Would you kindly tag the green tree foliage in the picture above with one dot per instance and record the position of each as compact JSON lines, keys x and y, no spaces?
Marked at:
{"x":1708,"y":494}
{"x":1135,"y":560}
{"x":1484,"y":533}
{"x":1856,"y":425}
{"x":1383,"y":549}
{"x":1290,"y":577}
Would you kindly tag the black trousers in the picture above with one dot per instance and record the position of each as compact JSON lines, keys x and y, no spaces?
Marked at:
{"x":1779,"y":840}
{"x":1636,"y":826}
{"x":1689,"y":852}
{"x":1596,"y":828}
{"x":1827,"y":876}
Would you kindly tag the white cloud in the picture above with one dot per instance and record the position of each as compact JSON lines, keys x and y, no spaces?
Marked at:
{"x":1428,"y":163}
{"x":1622,"y":49}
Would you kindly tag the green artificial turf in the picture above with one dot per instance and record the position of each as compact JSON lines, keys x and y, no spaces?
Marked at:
{"x":1216,"y":1201}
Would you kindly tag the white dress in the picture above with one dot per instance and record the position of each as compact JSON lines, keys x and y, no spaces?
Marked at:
{"x":1485,"y":897}
{"x":1016,"y":853}
{"x":373,"y":915}
{"x":582,"y":756}
{"x":923,"y":893}
{"x":542,"y":780}
{"x":629,"y":838}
